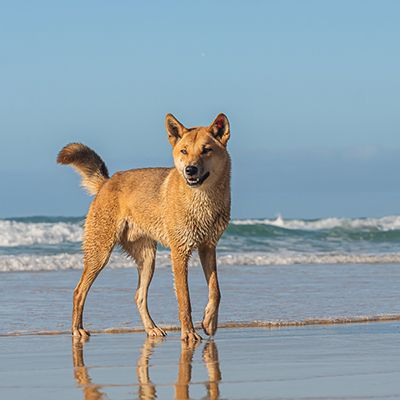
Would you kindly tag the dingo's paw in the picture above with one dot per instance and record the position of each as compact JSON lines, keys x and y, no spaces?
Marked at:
{"x":156,"y":332}
{"x":210,"y":322}
{"x":191,"y":336}
{"x":80,"y":332}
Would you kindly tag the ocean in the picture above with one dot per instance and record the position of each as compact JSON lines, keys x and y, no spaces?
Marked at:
{"x":272,"y":271}
{"x":53,"y":243}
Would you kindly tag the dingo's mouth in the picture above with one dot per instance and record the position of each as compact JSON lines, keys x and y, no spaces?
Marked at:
{"x":195,"y":182}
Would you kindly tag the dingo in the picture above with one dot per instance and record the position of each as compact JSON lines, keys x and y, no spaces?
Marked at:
{"x":185,"y":208}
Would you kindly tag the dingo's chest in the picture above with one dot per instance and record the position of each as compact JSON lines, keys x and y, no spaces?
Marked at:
{"x":203,"y":222}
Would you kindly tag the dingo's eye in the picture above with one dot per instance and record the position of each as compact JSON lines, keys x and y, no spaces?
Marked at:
{"x":183,"y":151}
{"x":206,"y":150}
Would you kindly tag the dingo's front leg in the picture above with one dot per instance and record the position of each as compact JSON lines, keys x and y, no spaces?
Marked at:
{"x":209,"y":263}
{"x":180,"y":268}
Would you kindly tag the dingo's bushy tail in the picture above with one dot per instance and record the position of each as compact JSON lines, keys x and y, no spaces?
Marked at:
{"x":87,"y":163}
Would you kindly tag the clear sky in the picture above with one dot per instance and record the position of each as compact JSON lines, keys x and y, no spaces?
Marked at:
{"x":311,"y":88}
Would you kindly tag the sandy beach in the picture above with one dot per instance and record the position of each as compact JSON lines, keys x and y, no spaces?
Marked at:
{"x":355,"y":361}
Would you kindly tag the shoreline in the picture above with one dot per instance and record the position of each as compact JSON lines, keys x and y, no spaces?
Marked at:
{"x":231,"y":325}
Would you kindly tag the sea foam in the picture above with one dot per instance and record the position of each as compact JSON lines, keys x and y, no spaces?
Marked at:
{"x":28,"y":262}
{"x":16,"y":233}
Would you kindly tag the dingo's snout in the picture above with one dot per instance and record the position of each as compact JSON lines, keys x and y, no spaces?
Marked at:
{"x":191,"y":170}
{"x":195,"y":175}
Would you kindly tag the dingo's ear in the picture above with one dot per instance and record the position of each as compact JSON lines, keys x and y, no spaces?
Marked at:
{"x":174,"y":128}
{"x":220,"y":128}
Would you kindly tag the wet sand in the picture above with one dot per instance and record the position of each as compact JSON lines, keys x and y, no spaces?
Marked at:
{"x":355,"y":361}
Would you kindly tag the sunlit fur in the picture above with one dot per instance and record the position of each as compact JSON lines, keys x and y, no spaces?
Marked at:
{"x":138,"y":208}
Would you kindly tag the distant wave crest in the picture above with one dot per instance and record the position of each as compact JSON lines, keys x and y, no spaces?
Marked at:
{"x":388,"y":223}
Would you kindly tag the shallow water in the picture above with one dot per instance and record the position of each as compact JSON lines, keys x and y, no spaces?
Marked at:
{"x":41,"y":301}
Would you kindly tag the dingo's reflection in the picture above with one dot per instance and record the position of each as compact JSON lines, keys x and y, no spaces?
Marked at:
{"x":147,"y":389}
{"x":210,"y":358}
{"x":81,"y":374}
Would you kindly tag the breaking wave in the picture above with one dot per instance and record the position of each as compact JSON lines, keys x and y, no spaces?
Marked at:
{"x":44,"y":230}
{"x":388,"y":223}
{"x":17,"y":233}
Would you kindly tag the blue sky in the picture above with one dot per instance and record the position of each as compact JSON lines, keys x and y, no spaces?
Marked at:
{"x":311,"y":88}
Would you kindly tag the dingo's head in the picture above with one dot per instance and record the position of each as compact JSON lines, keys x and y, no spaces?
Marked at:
{"x":199,"y":153}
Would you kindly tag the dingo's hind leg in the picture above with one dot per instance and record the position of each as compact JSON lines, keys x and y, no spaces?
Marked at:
{"x":100,"y":239}
{"x":144,"y":252}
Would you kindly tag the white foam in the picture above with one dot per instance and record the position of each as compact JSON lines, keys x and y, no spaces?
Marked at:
{"x":308,"y":259}
{"x":15,"y":233}
{"x":16,"y":263}
{"x":388,"y":223}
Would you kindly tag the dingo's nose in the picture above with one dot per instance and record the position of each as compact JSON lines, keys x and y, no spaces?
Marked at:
{"x":191,"y":170}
